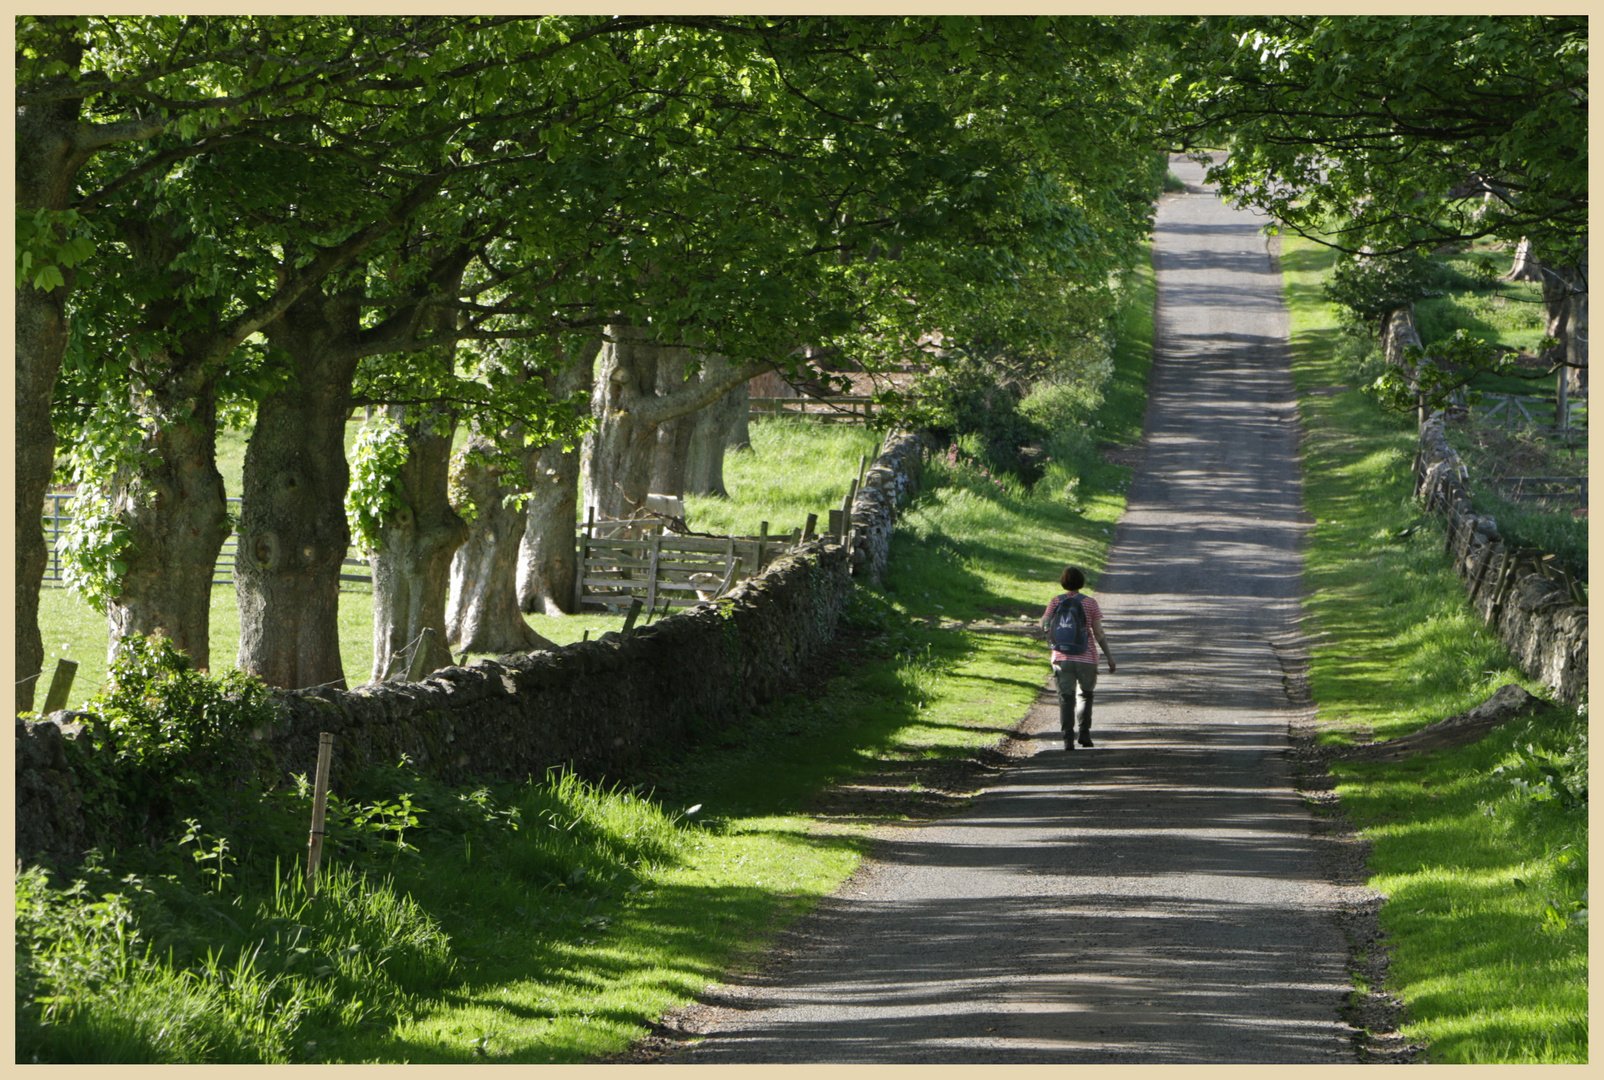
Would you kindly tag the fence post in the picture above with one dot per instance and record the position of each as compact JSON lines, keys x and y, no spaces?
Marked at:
{"x":762,"y":542}
{"x":651,"y":586}
{"x":1481,"y":571}
{"x":585,"y":531}
{"x":60,"y":686}
{"x":807,"y":530}
{"x":320,"y":800}
{"x":629,"y":620}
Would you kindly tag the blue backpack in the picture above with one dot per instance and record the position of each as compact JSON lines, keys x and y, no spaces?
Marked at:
{"x":1068,"y":629}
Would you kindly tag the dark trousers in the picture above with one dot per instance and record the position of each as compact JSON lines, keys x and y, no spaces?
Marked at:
{"x":1076,"y":682}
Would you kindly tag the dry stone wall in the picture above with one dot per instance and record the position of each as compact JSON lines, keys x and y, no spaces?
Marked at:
{"x":600,"y":706}
{"x":1538,"y":612}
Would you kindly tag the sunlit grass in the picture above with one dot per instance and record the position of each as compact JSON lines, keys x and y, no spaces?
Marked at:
{"x":792,"y":469}
{"x":1484,"y":880}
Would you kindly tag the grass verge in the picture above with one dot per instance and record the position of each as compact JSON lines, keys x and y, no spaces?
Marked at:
{"x":1482,"y":858}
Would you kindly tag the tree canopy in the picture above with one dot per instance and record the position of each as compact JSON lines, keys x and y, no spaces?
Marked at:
{"x":1386,"y":132}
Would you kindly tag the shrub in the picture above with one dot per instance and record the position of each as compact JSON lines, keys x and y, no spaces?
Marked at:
{"x":962,"y":400}
{"x":1369,"y":288}
{"x":176,"y":739}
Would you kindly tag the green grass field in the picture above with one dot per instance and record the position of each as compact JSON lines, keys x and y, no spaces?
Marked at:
{"x":1483,"y":865}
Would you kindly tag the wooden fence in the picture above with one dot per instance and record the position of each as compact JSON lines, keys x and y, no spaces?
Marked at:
{"x":58,"y":515}
{"x":844,"y":409}
{"x":624,"y":561}
{"x":1554,"y":492}
{"x":1541,"y":414}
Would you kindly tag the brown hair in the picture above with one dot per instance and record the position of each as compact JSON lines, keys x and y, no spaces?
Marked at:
{"x":1073,"y":579}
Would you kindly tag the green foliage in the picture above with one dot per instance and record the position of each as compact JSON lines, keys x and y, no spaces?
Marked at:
{"x":1348,"y":127}
{"x":168,"y":737}
{"x":94,"y":547}
{"x":373,"y":496}
{"x":163,"y":715}
{"x":1433,"y":375}
{"x":964,"y":398}
{"x":1371,"y":288}
{"x":48,"y":242}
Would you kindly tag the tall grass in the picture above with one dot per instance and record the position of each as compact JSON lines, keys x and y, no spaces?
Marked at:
{"x":1481,"y":851}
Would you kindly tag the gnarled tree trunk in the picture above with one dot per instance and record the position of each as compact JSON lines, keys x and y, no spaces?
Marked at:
{"x":482,"y":613}
{"x":619,"y":452}
{"x":673,"y":435}
{"x":293,"y":534}
{"x":547,"y":557}
{"x":172,"y":501}
{"x":171,"y":495}
{"x":412,"y":566}
{"x":629,"y":406}
{"x":715,"y":429}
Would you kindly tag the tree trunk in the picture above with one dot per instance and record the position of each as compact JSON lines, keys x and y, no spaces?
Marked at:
{"x":41,"y":340}
{"x":172,"y":501}
{"x":171,"y":496}
{"x":46,"y":162}
{"x":1525,"y":267}
{"x":629,"y":407}
{"x":293,"y":534}
{"x":412,"y":566}
{"x":1576,"y":338}
{"x":482,"y":612}
{"x":619,"y":451}
{"x":547,"y":559}
{"x":716,"y":428}
{"x":672,"y":450}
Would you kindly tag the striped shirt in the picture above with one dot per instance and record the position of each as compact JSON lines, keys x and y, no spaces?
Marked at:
{"x":1092,"y":612}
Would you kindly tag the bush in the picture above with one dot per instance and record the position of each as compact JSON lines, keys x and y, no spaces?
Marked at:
{"x":1064,"y":413}
{"x":1369,"y":288}
{"x":170,"y":740}
{"x":964,"y":399}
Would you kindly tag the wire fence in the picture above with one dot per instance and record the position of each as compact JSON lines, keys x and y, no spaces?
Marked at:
{"x":58,"y":516}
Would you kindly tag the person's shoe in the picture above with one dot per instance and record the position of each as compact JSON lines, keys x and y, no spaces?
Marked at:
{"x":1069,"y":742}
{"x":1085,"y":740}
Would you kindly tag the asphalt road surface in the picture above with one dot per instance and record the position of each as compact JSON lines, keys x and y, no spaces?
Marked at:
{"x":1158,"y":898}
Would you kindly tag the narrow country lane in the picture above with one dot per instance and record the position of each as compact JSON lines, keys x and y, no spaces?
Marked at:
{"x":1159,"y":898}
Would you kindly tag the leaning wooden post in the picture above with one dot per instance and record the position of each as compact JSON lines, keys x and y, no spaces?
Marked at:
{"x":808,"y":529}
{"x":60,"y":685}
{"x":320,"y":802}
{"x":634,"y":613}
{"x":420,"y":656}
{"x":762,"y":543}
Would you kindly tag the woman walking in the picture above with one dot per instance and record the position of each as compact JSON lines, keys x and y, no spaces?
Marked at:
{"x":1074,"y":625}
